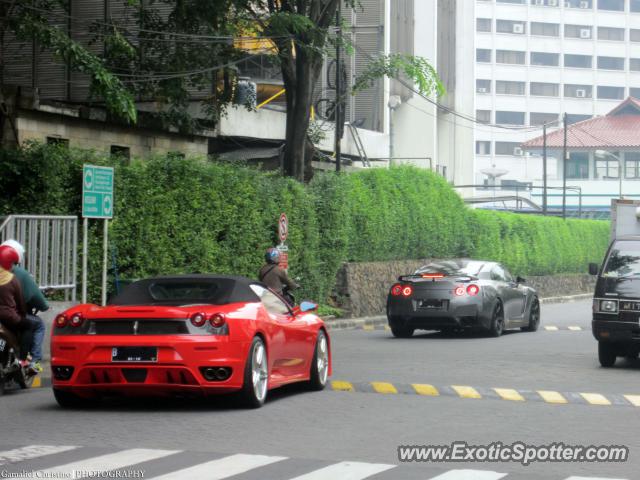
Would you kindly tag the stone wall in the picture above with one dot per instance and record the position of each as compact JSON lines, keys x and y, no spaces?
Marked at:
{"x":362,"y":287}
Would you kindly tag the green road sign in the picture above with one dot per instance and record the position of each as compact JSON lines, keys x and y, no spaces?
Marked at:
{"x":97,"y":192}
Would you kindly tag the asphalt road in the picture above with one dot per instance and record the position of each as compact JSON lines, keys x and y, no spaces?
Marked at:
{"x":320,"y":430}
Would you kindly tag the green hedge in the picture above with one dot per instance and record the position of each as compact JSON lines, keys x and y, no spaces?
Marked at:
{"x":177,"y":215}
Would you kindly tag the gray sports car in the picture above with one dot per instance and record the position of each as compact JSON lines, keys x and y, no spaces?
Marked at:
{"x":460,"y":293}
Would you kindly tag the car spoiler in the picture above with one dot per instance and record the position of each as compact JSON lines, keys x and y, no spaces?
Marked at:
{"x":435,"y":276}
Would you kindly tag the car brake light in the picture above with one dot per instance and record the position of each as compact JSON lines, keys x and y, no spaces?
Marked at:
{"x":396,"y":290}
{"x":76,"y":320}
{"x":432,"y":275}
{"x":217,"y":320}
{"x":459,"y":291}
{"x":198,"y":319}
{"x":407,"y":291}
{"x":473,"y":290}
{"x":61,"y":320}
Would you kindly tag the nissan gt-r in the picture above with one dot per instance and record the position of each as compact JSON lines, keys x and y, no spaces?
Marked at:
{"x":449,"y":295}
{"x":188,"y":335}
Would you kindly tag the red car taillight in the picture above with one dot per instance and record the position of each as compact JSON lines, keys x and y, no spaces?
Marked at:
{"x":473,"y":290}
{"x":459,"y":291}
{"x":217,"y":320}
{"x":407,"y":291}
{"x":198,"y":319}
{"x":76,"y":320}
{"x":61,"y":320}
{"x":396,"y":290}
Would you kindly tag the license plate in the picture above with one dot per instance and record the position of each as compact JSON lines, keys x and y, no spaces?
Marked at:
{"x":134,"y":354}
{"x":630,"y":306}
{"x":434,"y":304}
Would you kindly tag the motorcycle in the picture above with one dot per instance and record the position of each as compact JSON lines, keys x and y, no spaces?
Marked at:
{"x":11,"y":371}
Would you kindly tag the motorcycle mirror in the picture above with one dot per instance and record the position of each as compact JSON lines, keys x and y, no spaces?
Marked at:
{"x":307,"y":306}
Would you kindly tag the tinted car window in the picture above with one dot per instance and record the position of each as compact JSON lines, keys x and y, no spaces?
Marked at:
{"x":624,"y":260}
{"x":452,"y":267}
{"x":507,"y":275}
{"x":497,"y":274}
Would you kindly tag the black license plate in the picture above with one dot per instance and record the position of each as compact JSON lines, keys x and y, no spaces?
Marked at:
{"x":432,"y":304}
{"x":134,"y":354}
{"x":630,"y":306}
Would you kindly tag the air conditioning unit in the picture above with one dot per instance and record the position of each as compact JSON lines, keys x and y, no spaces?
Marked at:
{"x":585,"y":33}
{"x":552,"y":3}
{"x":539,"y":2}
{"x":584,"y":4}
{"x":581,"y":93}
{"x":518,"y":28}
{"x":517,"y":151}
{"x":482,"y":89}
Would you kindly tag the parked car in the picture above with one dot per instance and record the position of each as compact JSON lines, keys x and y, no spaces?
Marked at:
{"x":188,"y":335}
{"x":461,"y":294}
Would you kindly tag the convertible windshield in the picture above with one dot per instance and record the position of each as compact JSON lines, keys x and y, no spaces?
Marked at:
{"x":624,"y":260}
{"x":452,"y":267}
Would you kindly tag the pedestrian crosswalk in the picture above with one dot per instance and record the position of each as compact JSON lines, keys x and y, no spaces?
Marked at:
{"x":73,"y":462}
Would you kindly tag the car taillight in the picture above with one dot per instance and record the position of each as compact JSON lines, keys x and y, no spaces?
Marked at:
{"x":61,"y":320}
{"x":198,"y":319}
{"x":407,"y":291}
{"x":459,"y":291}
{"x":76,"y":320}
{"x":217,"y":320}
{"x":396,"y":290}
{"x":433,"y":275}
{"x":473,"y":290}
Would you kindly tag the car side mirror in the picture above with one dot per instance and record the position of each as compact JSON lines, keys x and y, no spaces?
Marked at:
{"x":307,"y":306}
{"x":521,"y":280}
{"x":593,"y":269}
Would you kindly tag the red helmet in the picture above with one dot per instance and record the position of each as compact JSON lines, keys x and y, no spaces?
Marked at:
{"x":8,"y":257}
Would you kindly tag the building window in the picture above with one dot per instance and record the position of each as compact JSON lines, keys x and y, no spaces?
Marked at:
{"x":634,"y":35}
{"x":634,"y":92}
{"x":504,"y":87}
{"x":610,"y":33}
{"x":511,"y":26}
{"x":615,"y":5}
{"x":540,"y":118}
{"x":545,"y":59}
{"x":607,"y":168}
{"x":483,"y":55}
{"x":519,"y":2}
{"x":578,"y":91}
{"x":483,"y":24}
{"x":483,"y":86}
{"x":577,"y":31}
{"x":611,"y":63}
{"x":504,"y":117}
{"x":483,"y":147}
{"x":483,"y":116}
{"x":634,"y":6}
{"x":545,"y":29}
{"x":577,"y":61}
{"x":576,"y":117}
{"x":62,"y":142}
{"x":544,"y":89}
{"x":510,"y":56}
{"x":579,"y":3}
{"x":508,"y":148}
{"x":120,"y":152}
{"x":632,"y":165}
{"x":611,"y":93}
{"x":578,"y":165}
{"x":634,"y":64}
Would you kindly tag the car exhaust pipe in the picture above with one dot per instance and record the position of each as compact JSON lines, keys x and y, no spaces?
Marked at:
{"x":222,"y":373}
{"x":216,"y":374}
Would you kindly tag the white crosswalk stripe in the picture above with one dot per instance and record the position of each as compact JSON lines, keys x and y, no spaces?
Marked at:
{"x":104,"y":463}
{"x":470,"y":475}
{"x":346,"y":471}
{"x":222,"y":468}
{"x":30,"y":452}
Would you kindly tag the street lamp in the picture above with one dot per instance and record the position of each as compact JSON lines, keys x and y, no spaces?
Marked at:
{"x":394,"y":102}
{"x":604,"y":154}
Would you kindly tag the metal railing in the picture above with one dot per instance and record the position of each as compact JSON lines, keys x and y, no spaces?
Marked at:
{"x":51,"y":246}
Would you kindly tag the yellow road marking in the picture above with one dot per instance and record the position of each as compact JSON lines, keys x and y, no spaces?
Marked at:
{"x":384,"y":387}
{"x":425,"y":389}
{"x":552,"y":397}
{"x":595,"y":399}
{"x":466,"y":392}
{"x":509,"y":394}
{"x":342,"y":386}
{"x":634,"y":399}
{"x":368,"y":327}
{"x":575,"y":329}
{"x":551,"y":329}
{"x":37,"y":382}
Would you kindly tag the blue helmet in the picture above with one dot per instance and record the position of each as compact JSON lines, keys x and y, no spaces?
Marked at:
{"x":272,"y":255}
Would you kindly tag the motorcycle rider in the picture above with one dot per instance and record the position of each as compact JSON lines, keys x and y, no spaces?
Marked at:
{"x":34,"y":300}
{"x":12,"y":308}
{"x":273,"y":276}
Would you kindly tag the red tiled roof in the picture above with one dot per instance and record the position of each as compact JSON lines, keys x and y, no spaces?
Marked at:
{"x":619,"y":128}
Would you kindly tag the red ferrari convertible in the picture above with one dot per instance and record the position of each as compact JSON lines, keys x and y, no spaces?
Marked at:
{"x":190,"y":334}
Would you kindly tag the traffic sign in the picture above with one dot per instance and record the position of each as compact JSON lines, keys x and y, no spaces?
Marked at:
{"x":97,"y":192}
{"x":283,"y":227}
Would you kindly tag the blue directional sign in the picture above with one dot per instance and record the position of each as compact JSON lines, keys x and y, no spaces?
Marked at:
{"x":97,"y":192}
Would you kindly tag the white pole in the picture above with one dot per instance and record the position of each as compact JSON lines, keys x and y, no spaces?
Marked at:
{"x":85,"y":249}
{"x":104,"y":261}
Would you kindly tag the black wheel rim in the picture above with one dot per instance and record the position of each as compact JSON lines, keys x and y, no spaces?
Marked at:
{"x":499,"y":319}
{"x":535,"y":314}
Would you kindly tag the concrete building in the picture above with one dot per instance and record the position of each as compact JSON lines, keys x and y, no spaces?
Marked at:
{"x":537,"y":59}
